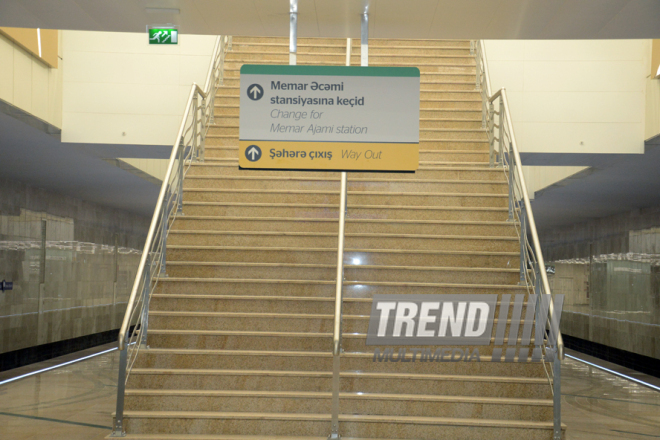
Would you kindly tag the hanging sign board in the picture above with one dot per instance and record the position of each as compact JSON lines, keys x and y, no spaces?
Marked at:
{"x":331,"y":118}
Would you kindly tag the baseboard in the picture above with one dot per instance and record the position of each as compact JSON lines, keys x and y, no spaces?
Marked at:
{"x":637,"y":362}
{"x":40,"y":353}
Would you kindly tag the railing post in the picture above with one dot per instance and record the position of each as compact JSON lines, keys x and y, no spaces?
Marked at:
{"x":337,"y":331}
{"x":293,"y":31}
{"x":501,"y":132}
{"x":144,"y":321}
{"x":477,"y":61}
{"x":556,"y":398}
{"x":182,"y":149}
{"x":523,"y":245}
{"x":118,"y":425}
{"x":163,"y":232}
{"x":471,"y":47}
{"x":202,"y":128}
{"x":512,"y":167}
{"x":537,"y":280}
{"x":195,"y":151}
{"x":491,"y":135}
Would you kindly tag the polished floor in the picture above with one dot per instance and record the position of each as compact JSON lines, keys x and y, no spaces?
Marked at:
{"x":74,"y":402}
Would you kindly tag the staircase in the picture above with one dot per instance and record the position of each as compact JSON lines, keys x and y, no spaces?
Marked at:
{"x":240,"y":332}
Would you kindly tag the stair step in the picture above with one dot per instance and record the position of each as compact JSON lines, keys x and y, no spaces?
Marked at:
{"x":436,"y":384}
{"x":329,"y":256}
{"x":322,"y":361}
{"x":354,"y":240}
{"x":320,"y":288}
{"x":302,"y":224}
{"x":355,"y":211}
{"x":270,"y":322}
{"x":304,"y":402}
{"x":260,"y":423}
{"x":272,"y":340}
{"x":230,"y":168}
{"x":354,"y":184}
{"x":407,"y":198}
{"x":462,"y":275}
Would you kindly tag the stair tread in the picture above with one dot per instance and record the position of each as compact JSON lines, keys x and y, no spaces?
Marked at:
{"x":355,"y":179}
{"x":349,"y":220}
{"x":346,"y":374}
{"x":310,"y":191}
{"x":349,"y":266}
{"x":344,"y":395}
{"x":333,"y":282}
{"x":334,"y":250}
{"x":342,"y":417}
{"x":352,"y":206}
{"x":351,"y":234}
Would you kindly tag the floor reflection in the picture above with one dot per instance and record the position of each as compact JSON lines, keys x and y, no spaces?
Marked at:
{"x":75,"y":402}
{"x":600,"y":405}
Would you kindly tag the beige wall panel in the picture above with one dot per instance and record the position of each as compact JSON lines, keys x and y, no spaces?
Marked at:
{"x":40,"y":93}
{"x":572,"y":96}
{"x":29,"y":84}
{"x":22,"y":79}
{"x":119,"y":89}
{"x":6,"y":69}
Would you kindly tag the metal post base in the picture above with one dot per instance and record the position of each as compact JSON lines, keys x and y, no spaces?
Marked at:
{"x":334,"y":437}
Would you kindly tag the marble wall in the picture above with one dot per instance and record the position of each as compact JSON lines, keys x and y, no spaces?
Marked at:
{"x":609,"y":271}
{"x":72,"y":263}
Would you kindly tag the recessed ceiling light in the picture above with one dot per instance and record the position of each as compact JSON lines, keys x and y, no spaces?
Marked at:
{"x":163,"y":11}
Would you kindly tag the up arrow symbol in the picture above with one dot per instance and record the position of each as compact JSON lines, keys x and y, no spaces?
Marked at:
{"x":253,"y":152}
{"x":255,"y":92}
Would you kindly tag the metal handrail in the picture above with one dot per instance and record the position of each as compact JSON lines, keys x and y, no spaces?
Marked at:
{"x":520,"y":211}
{"x":188,"y":147}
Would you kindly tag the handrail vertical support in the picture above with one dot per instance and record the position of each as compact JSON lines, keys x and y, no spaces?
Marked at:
{"x":182,"y":155}
{"x":364,"y":40}
{"x":118,"y":425}
{"x":556,"y":398}
{"x":293,"y":31}
{"x":202,"y":123}
{"x":512,"y":167}
{"x":194,"y":122}
{"x":337,"y":329}
{"x":491,"y":135}
{"x":477,"y":79}
{"x":523,"y":245}
{"x":501,"y":132}
{"x":144,"y":326}
{"x":163,"y":232}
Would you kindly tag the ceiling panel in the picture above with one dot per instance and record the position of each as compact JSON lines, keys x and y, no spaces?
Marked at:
{"x":494,"y":19}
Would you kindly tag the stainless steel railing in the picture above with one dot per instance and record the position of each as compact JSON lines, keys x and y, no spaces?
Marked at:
{"x":533,"y":273}
{"x":188,"y":147}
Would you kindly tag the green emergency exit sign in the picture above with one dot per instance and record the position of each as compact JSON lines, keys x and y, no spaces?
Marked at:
{"x":163,"y":36}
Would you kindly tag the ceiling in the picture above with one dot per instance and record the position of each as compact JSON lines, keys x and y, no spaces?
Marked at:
{"x":432,"y":19}
{"x":618,"y":183}
{"x":31,"y":156}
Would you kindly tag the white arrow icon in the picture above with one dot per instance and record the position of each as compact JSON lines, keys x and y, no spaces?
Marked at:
{"x":255,"y":91}
{"x":253,"y":152}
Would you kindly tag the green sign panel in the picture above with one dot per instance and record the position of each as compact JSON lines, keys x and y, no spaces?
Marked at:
{"x":163,"y":36}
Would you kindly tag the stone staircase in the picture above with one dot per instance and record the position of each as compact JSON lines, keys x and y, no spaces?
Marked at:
{"x":240,"y":331}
